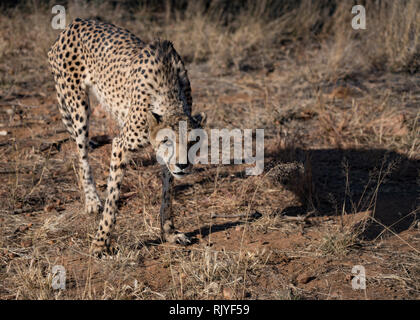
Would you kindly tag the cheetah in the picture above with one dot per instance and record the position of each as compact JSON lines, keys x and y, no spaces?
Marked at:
{"x":145,"y":88}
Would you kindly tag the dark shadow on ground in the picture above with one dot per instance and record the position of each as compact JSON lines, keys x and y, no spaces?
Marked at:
{"x":204,"y":231}
{"x":333,"y":181}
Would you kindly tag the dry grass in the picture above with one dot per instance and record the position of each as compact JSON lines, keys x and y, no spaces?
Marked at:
{"x":340,"y":113}
{"x":252,"y":37}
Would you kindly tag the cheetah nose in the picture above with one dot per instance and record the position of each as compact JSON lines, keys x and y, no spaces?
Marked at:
{"x":182,"y":166}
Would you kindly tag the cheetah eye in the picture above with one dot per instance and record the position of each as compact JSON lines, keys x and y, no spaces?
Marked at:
{"x":158,"y":117}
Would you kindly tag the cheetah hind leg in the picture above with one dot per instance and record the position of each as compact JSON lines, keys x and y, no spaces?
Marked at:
{"x":93,"y":204}
{"x":77,"y":124}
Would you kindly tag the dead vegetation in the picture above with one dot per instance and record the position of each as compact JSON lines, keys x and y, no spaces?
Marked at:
{"x":340,"y":187}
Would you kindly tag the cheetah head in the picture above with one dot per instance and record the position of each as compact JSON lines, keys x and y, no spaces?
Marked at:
{"x":169,"y":137}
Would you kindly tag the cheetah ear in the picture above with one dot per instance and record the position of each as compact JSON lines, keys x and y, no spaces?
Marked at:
{"x":200,"y":119}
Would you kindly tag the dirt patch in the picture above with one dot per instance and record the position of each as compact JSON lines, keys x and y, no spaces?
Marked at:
{"x":339,"y":187}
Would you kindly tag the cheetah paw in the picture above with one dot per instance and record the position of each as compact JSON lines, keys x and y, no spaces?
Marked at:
{"x":178,"y":238}
{"x":100,"y":249}
{"x":93,"y":206}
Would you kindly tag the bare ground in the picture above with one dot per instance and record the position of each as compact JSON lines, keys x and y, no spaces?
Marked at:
{"x":339,"y":189}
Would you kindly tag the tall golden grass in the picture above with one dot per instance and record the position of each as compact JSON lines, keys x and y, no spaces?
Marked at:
{"x":231,"y":35}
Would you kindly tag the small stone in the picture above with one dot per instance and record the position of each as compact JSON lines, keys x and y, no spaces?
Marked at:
{"x":227,"y":293}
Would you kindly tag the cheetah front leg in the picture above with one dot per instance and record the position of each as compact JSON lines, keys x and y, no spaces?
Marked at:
{"x":119,"y":159}
{"x":168,"y":231}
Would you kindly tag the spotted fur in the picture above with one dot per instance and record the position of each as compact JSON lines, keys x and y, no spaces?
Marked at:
{"x":144,"y":86}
